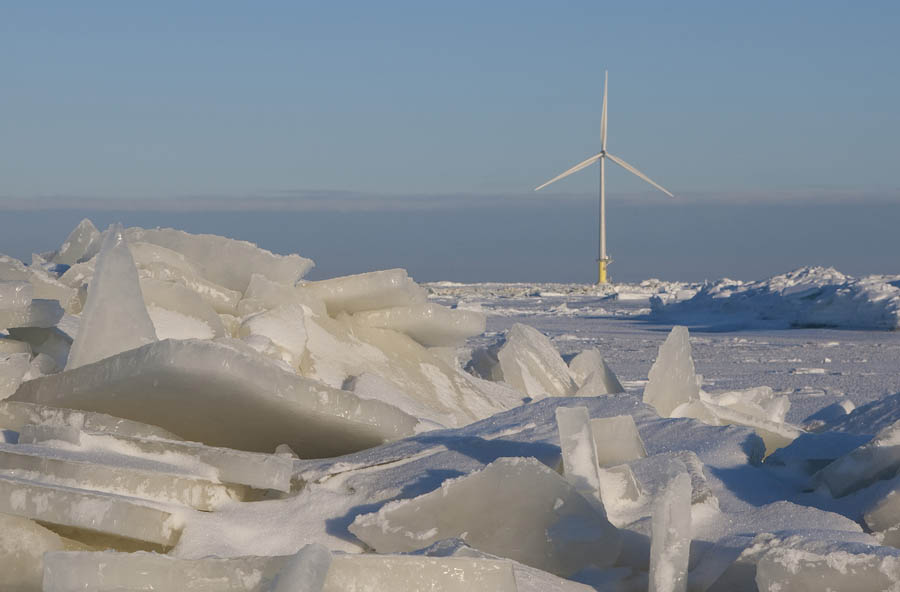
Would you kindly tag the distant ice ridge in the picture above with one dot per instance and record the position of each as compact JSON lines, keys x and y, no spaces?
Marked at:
{"x":805,"y":297}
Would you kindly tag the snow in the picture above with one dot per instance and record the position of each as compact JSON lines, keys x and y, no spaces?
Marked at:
{"x":525,"y":436}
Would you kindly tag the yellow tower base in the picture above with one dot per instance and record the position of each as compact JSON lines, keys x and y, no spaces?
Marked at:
{"x":601,"y":271}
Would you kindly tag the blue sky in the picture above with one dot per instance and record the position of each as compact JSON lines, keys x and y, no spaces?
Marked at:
{"x":717,"y":99}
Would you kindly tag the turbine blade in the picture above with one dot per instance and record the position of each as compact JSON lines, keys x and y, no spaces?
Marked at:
{"x":603,"y":116}
{"x":574,"y":169}
{"x":633,"y":170}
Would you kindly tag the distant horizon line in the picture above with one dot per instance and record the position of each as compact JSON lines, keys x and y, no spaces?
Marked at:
{"x":341,"y":200}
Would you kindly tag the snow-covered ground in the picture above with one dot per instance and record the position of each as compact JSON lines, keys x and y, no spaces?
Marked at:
{"x":179,"y":412}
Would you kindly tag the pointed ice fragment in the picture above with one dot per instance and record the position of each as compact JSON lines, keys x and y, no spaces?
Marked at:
{"x":114,"y":318}
{"x":82,"y":244}
{"x":552,"y":527}
{"x":672,"y":380}
{"x":178,"y":312}
{"x":671,"y":534}
{"x":530,"y":363}
{"x":590,"y":362}
{"x":578,"y":452}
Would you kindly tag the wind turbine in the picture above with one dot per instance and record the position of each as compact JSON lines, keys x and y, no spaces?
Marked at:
{"x":603,"y":259}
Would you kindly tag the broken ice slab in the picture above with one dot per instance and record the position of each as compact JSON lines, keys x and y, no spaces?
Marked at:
{"x":81,"y":244}
{"x":115,"y":317}
{"x":262,"y":471}
{"x":179,"y":313}
{"x":45,"y":340}
{"x":222,"y":393}
{"x":16,"y":415}
{"x":618,"y":485}
{"x":23,"y":543}
{"x":672,"y":380}
{"x":774,"y":435}
{"x":12,"y":369}
{"x":39,"y":313}
{"x":758,"y":401}
{"x":430,"y":324}
{"x":109,"y":571}
{"x":225,"y":261}
{"x":15,"y":294}
{"x":878,"y":459}
{"x":617,"y":440}
{"x":578,"y":453}
{"x":528,"y":362}
{"x":112,"y":515}
{"x":551,"y":528}
{"x":884,"y":513}
{"x":365,"y":291}
{"x":651,"y":473}
{"x":264,"y":294}
{"x":670,"y":541}
{"x":798,"y":570}
{"x":590,"y":362}
{"x":372,"y":386}
{"x":124,"y":475}
{"x":45,"y":285}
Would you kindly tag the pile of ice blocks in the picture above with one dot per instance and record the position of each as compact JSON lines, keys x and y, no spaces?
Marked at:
{"x":185,"y":412}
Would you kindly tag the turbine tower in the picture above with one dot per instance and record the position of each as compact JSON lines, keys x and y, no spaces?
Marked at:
{"x":603,"y":259}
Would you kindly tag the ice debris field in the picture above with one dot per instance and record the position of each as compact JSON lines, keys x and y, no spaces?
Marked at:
{"x":185,"y":412}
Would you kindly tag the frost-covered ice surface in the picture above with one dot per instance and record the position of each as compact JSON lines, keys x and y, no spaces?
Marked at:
{"x":186,"y":412}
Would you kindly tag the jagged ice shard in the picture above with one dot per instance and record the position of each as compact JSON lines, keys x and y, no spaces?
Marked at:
{"x":672,"y":381}
{"x":671,"y":533}
{"x":114,"y":318}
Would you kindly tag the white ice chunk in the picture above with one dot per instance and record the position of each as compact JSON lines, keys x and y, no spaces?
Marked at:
{"x":23,"y":543}
{"x":672,"y":381}
{"x":88,"y":510}
{"x":159,"y":263}
{"x":264,"y":294}
{"x":552,"y":527}
{"x":670,"y":541}
{"x":225,"y":261}
{"x":604,"y":381}
{"x":366,"y":291}
{"x":430,"y":324}
{"x":123,"y":476}
{"x":222,"y":393}
{"x":82,"y":244}
{"x":45,"y":286}
{"x":528,"y":362}
{"x":110,"y":571}
{"x":304,"y":572}
{"x":15,"y":415}
{"x":372,"y":386}
{"x":39,"y":313}
{"x":179,"y":313}
{"x":618,"y":486}
{"x":617,"y":440}
{"x":12,"y":371}
{"x":284,"y":326}
{"x":262,"y":471}
{"x":797,"y":570}
{"x":879,"y":459}
{"x":774,"y":435}
{"x":578,"y":452}
{"x":115,"y":318}
{"x":758,"y":401}
{"x":15,"y":294}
